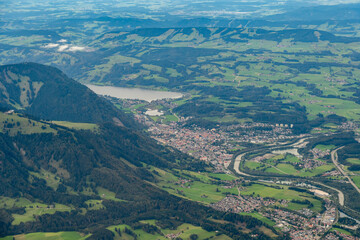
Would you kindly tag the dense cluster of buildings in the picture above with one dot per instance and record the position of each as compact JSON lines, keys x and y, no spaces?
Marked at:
{"x":242,"y":203}
{"x":301,"y":224}
{"x":199,"y":143}
{"x":213,"y":145}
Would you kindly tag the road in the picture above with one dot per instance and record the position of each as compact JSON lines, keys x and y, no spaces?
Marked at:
{"x":238,"y":159}
{"x":340,"y":193}
{"x":301,"y":142}
{"x":334,"y":158}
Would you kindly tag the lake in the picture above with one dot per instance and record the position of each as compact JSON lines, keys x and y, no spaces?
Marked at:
{"x":133,"y":93}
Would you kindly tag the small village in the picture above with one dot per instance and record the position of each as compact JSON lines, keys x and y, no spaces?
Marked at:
{"x":300,"y":225}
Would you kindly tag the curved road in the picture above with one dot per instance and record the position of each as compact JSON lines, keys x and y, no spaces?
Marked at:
{"x":341,"y":198}
{"x":334,"y":158}
{"x":340,"y":193}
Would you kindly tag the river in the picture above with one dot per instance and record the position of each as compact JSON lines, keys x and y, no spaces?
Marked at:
{"x":133,"y":93}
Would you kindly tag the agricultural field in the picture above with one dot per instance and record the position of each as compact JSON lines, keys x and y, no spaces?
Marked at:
{"x":37,"y":209}
{"x":106,"y":194}
{"x":48,"y":236}
{"x":51,"y":179}
{"x":183,"y":231}
{"x":15,"y":123}
{"x":325,"y":147}
{"x":200,"y":188}
{"x":30,"y":209}
{"x":356,"y":180}
{"x":282,"y":194}
{"x":77,"y":126}
{"x":207,"y":189}
{"x":289,"y":164}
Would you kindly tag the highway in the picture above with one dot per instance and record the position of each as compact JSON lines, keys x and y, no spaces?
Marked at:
{"x":334,"y":158}
{"x":298,"y":144}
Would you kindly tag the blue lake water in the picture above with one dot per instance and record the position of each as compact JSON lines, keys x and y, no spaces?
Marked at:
{"x":133,"y":93}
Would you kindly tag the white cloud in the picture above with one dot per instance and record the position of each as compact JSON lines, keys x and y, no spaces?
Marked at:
{"x":51,"y":45}
{"x":77,"y":49}
{"x":68,"y":47}
{"x":62,"y":48}
{"x":62,"y":41}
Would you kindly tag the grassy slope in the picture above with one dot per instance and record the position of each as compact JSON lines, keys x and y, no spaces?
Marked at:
{"x":196,"y":190}
{"x":49,"y":236}
{"x":185,"y":231}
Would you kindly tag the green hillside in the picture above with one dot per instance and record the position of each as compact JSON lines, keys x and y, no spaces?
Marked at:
{"x":47,"y":93}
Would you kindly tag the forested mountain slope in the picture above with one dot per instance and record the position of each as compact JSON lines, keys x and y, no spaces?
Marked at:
{"x":47,"y":93}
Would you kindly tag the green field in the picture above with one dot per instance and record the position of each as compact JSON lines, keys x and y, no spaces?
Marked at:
{"x":200,"y":189}
{"x":51,"y":179}
{"x":260,"y":217}
{"x":266,"y":191}
{"x":49,"y":236}
{"x":6,"y":202}
{"x":354,"y":161}
{"x":356,"y":180}
{"x":36,"y":209}
{"x":184,"y":231}
{"x":106,"y":194}
{"x":281,"y":164}
{"x":14,"y":123}
{"x":341,"y":231}
{"x":285,"y":193}
{"x":170,"y":118}
{"x":225,"y":177}
{"x":31,"y":208}
{"x":253,"y":165}
{"x":77,"y":126}
{"x":325,"y":147}
{"x":290,"y":170}
{"x":203,"y":190}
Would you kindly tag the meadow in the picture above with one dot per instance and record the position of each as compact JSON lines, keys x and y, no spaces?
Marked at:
{"x":207,"y":189}
{"x":285,"y":165}
{"x":31,"y":209}
{"x":183,"y":231}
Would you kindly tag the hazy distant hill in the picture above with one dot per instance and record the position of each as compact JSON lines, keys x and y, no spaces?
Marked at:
{"x":200,"y":34}
{"x":333,"y":12}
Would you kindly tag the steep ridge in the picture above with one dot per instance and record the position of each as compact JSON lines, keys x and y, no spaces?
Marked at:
{"x":47,"y":93}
